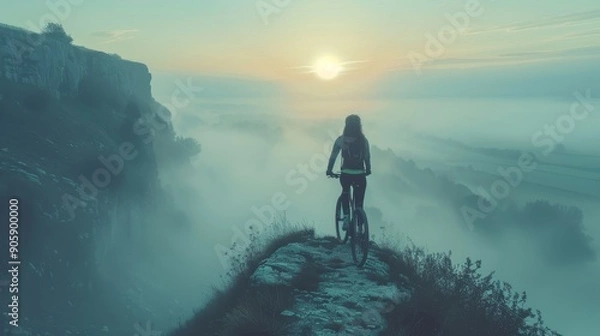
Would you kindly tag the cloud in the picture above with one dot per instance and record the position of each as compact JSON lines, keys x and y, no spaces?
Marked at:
{"x":517,"y":57}
{"x":547,"y":22}
{"x":111,"y":36}
{"x":547,"y":73}
{"x":585,"y":33}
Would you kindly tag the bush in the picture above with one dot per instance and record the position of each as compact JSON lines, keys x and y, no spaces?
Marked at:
{"x":57,"y":32}
{"x":177,"y":149}
{"x":455,"y":300}
{"x":186,"y":147}
{"x":558,"y":230}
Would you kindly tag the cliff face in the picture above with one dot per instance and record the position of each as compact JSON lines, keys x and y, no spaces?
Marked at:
{"x":83,"y":168}
{"x":60,"y":67}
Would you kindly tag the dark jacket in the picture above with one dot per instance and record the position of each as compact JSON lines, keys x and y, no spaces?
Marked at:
{"x":341,"y":144}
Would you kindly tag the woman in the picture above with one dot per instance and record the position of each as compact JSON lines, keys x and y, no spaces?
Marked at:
{"x":356,"y":162}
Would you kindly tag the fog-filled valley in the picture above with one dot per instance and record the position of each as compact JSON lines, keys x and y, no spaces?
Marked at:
{"x":259,"y":160}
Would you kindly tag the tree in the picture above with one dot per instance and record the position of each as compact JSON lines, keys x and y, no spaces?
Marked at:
{"x":56,"y":31}
{"x":186,"y":147}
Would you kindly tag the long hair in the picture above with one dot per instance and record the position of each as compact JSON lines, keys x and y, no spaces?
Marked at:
{"x":353,"y":127}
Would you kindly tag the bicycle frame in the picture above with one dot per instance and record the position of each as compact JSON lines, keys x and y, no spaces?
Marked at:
{"x":351,"y":203}
{"x":359,"y":240}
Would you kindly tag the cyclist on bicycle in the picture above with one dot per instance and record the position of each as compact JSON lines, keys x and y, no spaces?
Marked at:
{"x":356,"y":163}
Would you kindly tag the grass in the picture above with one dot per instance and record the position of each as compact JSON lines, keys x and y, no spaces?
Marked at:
{"x":235,"y":310}
{"x":258,"y":312}
{"x":377,"y":278}
{"x":454,"y":300}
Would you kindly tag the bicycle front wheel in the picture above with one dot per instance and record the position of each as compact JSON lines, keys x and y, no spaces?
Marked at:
{"x":359,"y":242}
{"x":342,"y":235}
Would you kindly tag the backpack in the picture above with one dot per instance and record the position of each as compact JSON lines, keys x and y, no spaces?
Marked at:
{"x":353,"y":154}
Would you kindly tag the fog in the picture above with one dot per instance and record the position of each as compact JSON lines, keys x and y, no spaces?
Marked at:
{"x":432,"y":158}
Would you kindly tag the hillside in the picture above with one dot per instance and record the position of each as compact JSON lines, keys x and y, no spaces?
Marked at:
{"x":294,"y":283}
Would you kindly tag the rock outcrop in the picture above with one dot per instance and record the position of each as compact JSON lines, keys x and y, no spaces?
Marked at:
{"x":346,"y":297}
{"x":60,"y":67}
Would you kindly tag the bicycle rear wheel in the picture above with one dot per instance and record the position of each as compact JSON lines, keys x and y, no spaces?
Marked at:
{"x":342,"y":235}
{"x":359,"y":242}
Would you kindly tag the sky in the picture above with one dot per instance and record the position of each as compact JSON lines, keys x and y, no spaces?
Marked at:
{"x":250,"y":38}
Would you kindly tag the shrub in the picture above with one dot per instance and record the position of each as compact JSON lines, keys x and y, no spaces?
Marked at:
{"x":455,"y":300}
{"x":174,"y":149}
{"x":186,"y":147}
{"x":558,"y":230}
{"x":57,"y":32}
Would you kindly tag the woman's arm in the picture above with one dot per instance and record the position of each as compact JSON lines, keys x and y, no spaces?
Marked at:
{"x":334,"y":153}
{"x":367,"y":157}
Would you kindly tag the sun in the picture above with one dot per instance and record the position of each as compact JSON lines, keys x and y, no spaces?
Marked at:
{"x":327,"y":68}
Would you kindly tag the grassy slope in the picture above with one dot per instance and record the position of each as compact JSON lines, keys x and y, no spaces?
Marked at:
{"x":450,"y":300}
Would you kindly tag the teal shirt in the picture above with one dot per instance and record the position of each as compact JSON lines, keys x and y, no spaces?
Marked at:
{"x":354,"y":171}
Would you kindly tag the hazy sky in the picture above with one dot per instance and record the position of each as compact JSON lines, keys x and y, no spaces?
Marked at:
{"x":233,"y":37}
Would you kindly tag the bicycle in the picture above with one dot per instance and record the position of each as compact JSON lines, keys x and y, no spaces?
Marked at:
{"x":357,"y":230}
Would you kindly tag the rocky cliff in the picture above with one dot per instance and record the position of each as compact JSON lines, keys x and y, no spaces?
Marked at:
{"x":60,"y":67}
{"x":341,"y":298}
{"x":79,"y":132}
